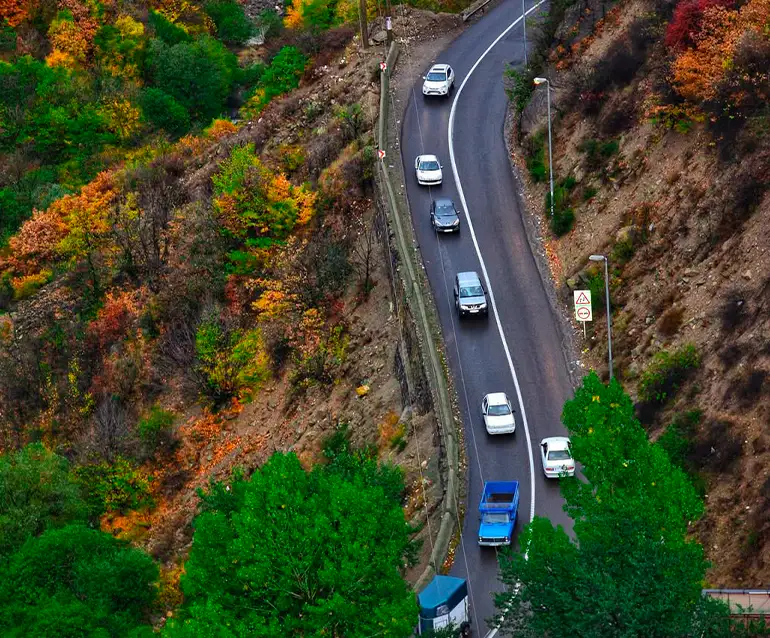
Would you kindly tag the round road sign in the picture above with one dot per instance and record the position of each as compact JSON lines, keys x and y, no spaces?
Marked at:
{"x":583,"y":313}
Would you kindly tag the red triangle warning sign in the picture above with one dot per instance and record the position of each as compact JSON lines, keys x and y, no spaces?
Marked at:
{"x":582,"y":299}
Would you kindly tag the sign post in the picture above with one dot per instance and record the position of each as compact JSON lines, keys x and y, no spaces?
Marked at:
{"x":583,"y":310}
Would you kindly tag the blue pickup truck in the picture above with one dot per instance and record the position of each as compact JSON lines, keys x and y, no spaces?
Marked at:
{"x":497,"y":509}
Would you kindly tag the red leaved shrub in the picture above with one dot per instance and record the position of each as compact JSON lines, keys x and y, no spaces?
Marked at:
{"x":685,"y":25}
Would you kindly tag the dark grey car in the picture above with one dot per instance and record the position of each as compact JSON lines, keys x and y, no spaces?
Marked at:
{"x":470,"y":296}
{"x":443,"y":216}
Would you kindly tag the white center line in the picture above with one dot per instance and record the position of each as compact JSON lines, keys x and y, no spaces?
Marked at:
{"x":481,"y":259}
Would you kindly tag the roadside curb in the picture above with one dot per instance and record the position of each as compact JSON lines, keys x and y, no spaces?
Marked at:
{"x":535,"y":238}
{"x":416,"y":297}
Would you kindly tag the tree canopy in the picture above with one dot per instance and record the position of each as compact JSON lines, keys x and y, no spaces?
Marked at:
{"x":37,"y":492}
{"x":631,"y":569}
{"x":76,"y":581}
{"x":299,"y":553}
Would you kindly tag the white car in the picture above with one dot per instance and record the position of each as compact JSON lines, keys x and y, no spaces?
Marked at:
{"x":428,"y":170}
{"x":556,"y":453}
{"x":439,"y":80}
{"x":498,"y":415}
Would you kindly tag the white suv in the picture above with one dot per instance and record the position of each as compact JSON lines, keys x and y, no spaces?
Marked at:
{"x":439,"y":80}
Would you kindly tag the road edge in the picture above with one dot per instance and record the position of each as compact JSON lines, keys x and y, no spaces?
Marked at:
{"x":421,"y":303}
{"x":534,"y":234}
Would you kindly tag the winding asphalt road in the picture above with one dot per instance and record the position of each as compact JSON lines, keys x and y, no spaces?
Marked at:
{"x":529,"y":351}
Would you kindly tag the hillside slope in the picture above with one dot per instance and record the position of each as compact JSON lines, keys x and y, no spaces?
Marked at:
{"x":662,"y":153}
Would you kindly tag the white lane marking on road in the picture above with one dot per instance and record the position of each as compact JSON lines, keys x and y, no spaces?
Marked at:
{"x":494,"y":631}
{"x":481,"y":259}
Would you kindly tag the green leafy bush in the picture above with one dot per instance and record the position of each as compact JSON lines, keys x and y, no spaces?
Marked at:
{"x":163,"y":111}
{"x":232,"y":24}
{"x":597,"y":152}
{"x":677,"y":440}
{"x":199,"y":74}
{"x":119,"y":486}
{"x":535,"y":148}
{"x":563,"y":217}
{"x":155,"y":428}
{"x":281,"y":76}
{"x":233,"y":363}
{"x":7,"y":37}
{"x":37,"y":492}
{"x":167,"y":31}
{"x":666,"y":373}
{"x":77,"y":581}
{"x":519,"y":87}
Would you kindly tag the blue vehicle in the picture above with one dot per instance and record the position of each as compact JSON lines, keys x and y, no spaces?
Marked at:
{"x":444,"y":603}
{"x":497,"y":510}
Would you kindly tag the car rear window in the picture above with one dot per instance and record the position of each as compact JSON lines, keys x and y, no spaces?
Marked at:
{"x":471,"y":291}
{"x":436,"y":76}
{"x":559,"y":455}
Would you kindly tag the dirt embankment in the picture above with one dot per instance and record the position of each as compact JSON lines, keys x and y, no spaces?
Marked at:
{"x":682,"y":211}
{"x":380,"y":391}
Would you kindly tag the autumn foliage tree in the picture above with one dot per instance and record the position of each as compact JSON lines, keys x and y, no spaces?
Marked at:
{"x":253,"y":202}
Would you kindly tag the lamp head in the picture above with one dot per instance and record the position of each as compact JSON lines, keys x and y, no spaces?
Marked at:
{"x":540,"y":80}
{"x":597,"y":258}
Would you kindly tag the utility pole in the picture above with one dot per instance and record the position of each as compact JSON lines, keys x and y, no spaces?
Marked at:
{"x":363,"y":24}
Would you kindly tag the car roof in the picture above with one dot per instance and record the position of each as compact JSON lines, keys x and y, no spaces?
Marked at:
{"x":439,"y":67}
{"x":444,"y":201}
{"x":427,"y":158}
{"x":497,"y":398}
{"x":557,"y":442}
{"x":469,"y":277}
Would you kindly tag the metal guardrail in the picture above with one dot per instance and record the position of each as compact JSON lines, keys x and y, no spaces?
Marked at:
{"x":436,"y":374}
{"x":743,"y":602}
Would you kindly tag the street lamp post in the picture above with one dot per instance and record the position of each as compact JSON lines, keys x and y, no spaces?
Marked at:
{"x":607,"y":298}
{"x":550,"y":153}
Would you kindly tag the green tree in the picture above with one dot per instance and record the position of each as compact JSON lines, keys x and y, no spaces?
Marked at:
{"x":37,"y":492}
{"x":162,"y":111}
{"x":296,"y":553}
{"x":232,"y":24}
{"x":199,"y":74}
{"x":166,"y":30}
{"x":631,"y":570}
{"x":76,"y":581}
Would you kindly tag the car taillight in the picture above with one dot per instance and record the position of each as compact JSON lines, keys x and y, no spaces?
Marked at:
{"x":570,"y":468}
{"x":549,"y":469}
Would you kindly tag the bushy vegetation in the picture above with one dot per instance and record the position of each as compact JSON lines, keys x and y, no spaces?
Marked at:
{"x":309,"y":520}
{"x":58,"y":575}
{"x":76,"y":581}
{"x":667,"y":371}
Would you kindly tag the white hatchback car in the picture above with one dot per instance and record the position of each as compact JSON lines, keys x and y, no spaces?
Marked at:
{"x":556,"y":453}
{"x":428,"y":170}
{"x":498,"y":414}
{"x":439,"y":80}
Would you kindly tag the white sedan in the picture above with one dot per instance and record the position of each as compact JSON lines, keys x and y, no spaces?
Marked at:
{"x":428,"y":170}
{"x":498,"y":415}
{"x":556,"y":453}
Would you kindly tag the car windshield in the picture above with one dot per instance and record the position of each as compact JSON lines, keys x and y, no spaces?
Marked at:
{"x":471,"y":291}
{"x":498,"y":410}
{"x":495,"y":518}
{"x":559,"y":455}
{"x":429,"y":165}
{"x":436,"y":76}
{"x":445,"y":211}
